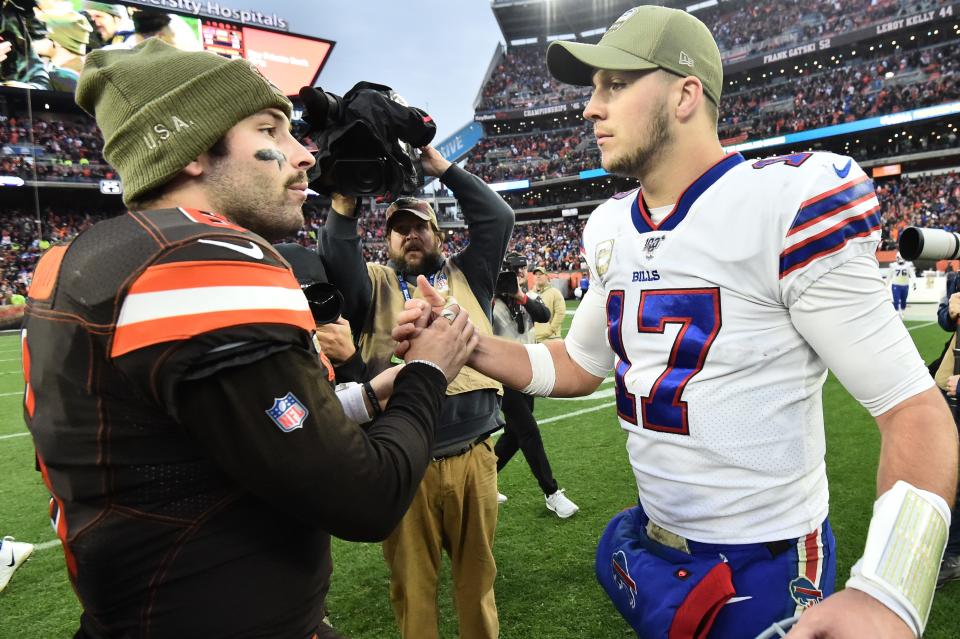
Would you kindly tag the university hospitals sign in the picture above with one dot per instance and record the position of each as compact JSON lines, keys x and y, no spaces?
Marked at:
{"x":214,"y":9}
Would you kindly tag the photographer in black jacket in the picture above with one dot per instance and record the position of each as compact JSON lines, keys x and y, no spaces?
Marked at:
{"x":515,"y":311}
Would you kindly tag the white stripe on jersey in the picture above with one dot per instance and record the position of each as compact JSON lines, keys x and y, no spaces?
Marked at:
{"x":144,"y":307}
{"x":833,"y":220}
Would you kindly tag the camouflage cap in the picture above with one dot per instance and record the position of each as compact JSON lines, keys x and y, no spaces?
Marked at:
{"x":418,"y":207}
{"x":646,"y":37}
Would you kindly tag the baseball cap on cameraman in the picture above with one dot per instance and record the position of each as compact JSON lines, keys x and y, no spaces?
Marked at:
{"x":412,"y":205}
{"x":540,"y":269}
{"x":646,"y":37}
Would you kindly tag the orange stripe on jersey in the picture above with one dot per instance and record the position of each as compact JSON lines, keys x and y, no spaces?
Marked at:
{"x":842,"y":187}
{"x":45,"y":275}
{"x":202,"y":274}
{"x":60,"y":526}
{"x":131,"y":337}
{"x":29,"y":401}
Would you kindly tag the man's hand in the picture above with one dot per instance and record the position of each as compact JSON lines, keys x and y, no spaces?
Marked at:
{"x":953,"y":309}
{"x":433,"y":163}
{"x":417,"y":315}
{"x":952,"y":385}
{"x":850,"y":614}
{"x":345,"y":205}
{"x":336,"y":341}
{"x":5,"y":49}
{"x":446,"y":342}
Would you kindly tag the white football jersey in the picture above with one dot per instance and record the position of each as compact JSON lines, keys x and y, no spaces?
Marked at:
{"x":900,"y":274}
{"x":718,"y":392}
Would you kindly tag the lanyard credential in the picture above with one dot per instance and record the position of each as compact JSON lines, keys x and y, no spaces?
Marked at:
{"x":405,"y":288}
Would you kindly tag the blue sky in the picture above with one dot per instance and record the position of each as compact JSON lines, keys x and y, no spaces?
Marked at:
{"x":433,"y":52}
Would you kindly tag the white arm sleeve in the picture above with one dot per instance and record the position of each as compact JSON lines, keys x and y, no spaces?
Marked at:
{"x":351,"y":396}
{"x":586,"y":341}
{"x":847,"y":317}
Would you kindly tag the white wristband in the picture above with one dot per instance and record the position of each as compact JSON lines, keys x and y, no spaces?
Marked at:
{"x":905,"y":544}
{"x":351,"y":396}
{"x":544,"y":373}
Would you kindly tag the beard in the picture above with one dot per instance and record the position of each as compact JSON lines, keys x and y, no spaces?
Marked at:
{"x":246,"y":202}
{"x":429,"y":263}
{"x":641,"y":160}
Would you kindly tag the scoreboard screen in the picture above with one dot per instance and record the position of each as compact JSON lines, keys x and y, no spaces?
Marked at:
{"x":289,"y":61}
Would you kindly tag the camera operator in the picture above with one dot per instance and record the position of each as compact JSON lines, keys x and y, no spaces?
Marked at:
{"x":515,"y":312}
{"x":456,"y":506}
{"x":183,"y":420}
{"x":947,"y":314}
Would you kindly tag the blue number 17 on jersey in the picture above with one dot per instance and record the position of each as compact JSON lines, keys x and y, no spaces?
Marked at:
{"x":697,"y":310}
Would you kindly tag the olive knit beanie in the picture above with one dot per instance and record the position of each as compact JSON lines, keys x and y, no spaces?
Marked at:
{"x":159,"y":108}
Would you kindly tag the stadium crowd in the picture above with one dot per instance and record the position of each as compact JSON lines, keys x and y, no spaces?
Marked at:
{"x":875,"y":86}
{"x":929,"y":201}
{"x":23,"y":239}
{"x":69,"y":149}
{"x":536,"y":156}
{"x":520,"y":79}
{"x":62,"y":148}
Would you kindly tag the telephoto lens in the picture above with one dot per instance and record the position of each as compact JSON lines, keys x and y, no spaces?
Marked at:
{"x":929,"y":244}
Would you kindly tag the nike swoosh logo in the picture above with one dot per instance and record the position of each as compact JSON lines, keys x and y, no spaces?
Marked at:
{"x":13,"y":560}
{"x":842,"y":173}
{"x":253,"y":250}
{"x":736,"y":599}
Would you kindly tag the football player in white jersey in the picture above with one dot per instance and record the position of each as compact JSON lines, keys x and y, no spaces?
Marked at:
{"x":721,"y":292}
{"x":900,"y":273}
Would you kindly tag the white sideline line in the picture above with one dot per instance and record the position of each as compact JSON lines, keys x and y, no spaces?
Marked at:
{"x":575,"y":413}
{"x":913,"y":328}
{"x":14,"y":435}
{"x":53,"y":543}
{"x":13,"y":393}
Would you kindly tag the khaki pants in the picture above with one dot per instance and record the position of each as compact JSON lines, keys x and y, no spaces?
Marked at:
{"x":455,"y":509}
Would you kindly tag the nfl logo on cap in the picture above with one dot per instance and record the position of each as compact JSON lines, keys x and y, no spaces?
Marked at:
{"x":288,"y":413}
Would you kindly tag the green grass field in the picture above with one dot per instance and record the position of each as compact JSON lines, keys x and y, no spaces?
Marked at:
{"x":545,"y":587}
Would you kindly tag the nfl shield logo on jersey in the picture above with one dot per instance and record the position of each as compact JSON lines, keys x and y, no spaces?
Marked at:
{"x":804,"y":592}
{"x":288,"y":413}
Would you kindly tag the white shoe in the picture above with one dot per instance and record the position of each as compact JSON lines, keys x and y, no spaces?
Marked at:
{"x":501,"y":497}
{"x":12,"y":555}
{"x":560,"y":504}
